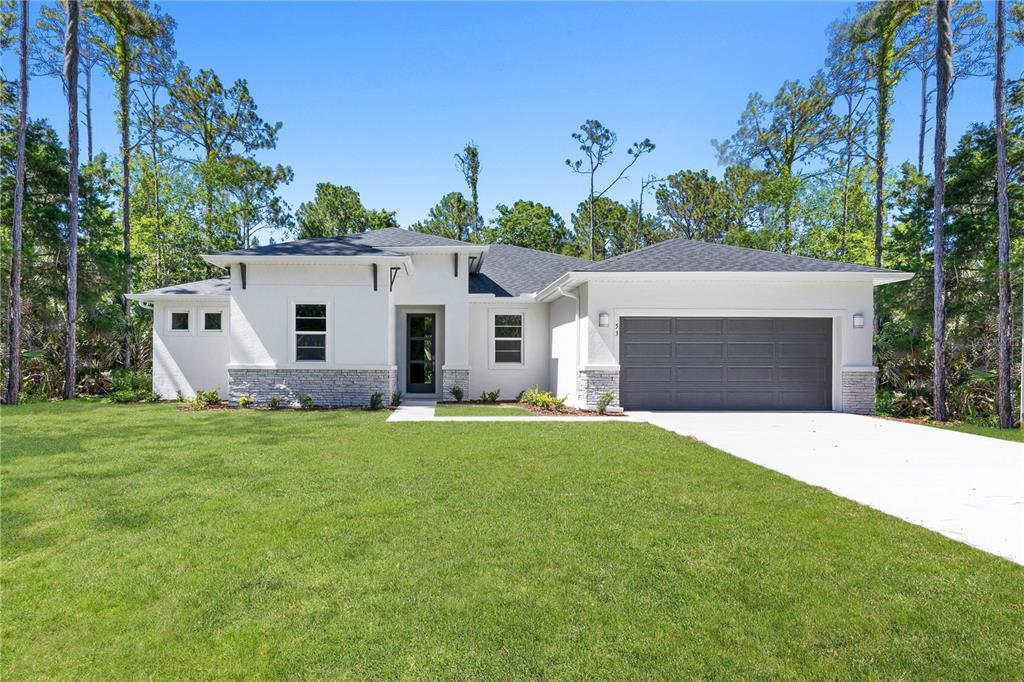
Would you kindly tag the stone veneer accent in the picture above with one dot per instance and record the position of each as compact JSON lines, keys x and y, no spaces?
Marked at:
{"x":591,"y":383}
{"x":858,"y":390}
{"x":329,"y":387}
{"x":450,"y":378}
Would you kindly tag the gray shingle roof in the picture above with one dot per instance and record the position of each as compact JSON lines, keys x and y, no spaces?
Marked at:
{"x":512,"y":270}
{"x":684,"y":255}
{"x":374,"y":242}
{"x":218,"y":286}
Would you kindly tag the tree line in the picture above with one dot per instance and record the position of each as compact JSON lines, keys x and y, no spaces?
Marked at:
{"x":806,"y":171}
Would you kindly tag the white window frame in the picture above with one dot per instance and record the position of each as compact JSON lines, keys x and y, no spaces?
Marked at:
{"x":294,"y":303}
{"x":191,"y":321}
{"x":202,"y":321}
{"x":491,"y":346}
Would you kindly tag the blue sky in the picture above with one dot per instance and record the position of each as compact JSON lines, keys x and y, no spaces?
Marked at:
{"x":381,"y":96}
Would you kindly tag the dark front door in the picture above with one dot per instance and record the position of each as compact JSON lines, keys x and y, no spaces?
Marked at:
{"x":725,"y":363}
{"x":420,"y":369}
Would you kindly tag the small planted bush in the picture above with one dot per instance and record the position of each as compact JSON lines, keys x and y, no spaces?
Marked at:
{"x":396,"y":399}
{"x":246,"y":401}
{"x":209,"y":397}
{"x":457,"y":393}
{"x":604,"y":401}
{"x":544,"y":400}
{"x":376,"y":401}
{"x":490,"y":396}
{"x":306,"y":402}
{"x":276,"y":402}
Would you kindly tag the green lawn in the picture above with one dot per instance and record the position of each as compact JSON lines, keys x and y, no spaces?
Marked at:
{"x":481,"y":411}
{"x":143,"y":542}
{"x":990,"y":431}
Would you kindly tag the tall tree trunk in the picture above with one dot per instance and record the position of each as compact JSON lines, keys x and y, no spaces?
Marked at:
{"x":124,"y":76}
{"x":71,"y":75}
{"x":943,"y":75}
{"x":1004,"y":401}
{"x":592,"y":212}
{"x":923,"y":130}
{"x":156,"y":190}
{"x":88,"y":112}
{"x":847,"y":171}
{"x":14,"y":314}
{"x":882,"y":128}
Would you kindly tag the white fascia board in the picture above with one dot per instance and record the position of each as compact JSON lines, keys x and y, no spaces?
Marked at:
{"x":218,"y":298}
{"x":571,"y":280}
{"x":491,"y":298}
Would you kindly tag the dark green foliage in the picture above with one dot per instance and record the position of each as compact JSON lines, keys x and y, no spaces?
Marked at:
{"x":276,"y":402}
{"x":396,"y":398}
{"x":456,"y":392}
{"x":490,"y":396}
{"x":530,"y":225}
{"x":129,"y":386}
{"x":336,"y":211}
{"x":306,"y":402}
{"x":376,"y":401}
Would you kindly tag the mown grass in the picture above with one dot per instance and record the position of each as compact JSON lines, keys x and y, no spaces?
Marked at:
{"x":990,"y":431}
{"x":448,"y":410}
{"x":144,"y":542}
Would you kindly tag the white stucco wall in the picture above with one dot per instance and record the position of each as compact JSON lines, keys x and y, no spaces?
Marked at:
{"x":839,"y":300}
{"x":261,"y":314}
{"x":486,"y":375}
{"x":564,"y":347}
{"x":186,"y":362}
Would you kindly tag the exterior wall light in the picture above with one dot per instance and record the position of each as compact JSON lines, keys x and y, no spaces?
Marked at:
{"x":858,"y":321}
{"x":602,"y":319}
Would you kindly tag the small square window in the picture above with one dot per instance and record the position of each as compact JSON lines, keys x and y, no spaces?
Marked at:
{"x":212,"y":322}
{"x":179,"y":321}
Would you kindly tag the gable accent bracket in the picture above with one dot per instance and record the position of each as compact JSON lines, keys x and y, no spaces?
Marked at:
{"x":394,"y":273}
{"x":456,"y":264}
{"x":374,"y":266}
{"x":241,"y":268}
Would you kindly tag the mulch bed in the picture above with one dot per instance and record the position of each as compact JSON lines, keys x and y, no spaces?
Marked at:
{"x":567,"y":412}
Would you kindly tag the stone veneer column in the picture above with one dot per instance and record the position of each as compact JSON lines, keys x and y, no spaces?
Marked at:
{"x":592,"y":383}
{"x":858,"y":389}
{"x":329,"y":387}
{"x":450,"y":378}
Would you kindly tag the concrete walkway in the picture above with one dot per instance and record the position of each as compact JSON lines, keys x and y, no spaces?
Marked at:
{"x":969,"y":488}
{"x":423,"y":411}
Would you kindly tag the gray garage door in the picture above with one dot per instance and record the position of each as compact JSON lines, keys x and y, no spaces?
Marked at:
{"x":725,"y":363}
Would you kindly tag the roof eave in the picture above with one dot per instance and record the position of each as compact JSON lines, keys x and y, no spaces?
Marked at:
{"x":226,"y":260}
{"x":151,"y":297}
{"x":573,"y":279}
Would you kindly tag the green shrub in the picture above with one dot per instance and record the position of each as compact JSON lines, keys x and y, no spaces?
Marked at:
{"x":376,"y":401}
{"x":456,"y":392}
{"x":490,"y":396}
{"x":210,"y":397}
{"x":127,"y":386}
{"x":246,"y":401}
{"x":396,"y":399}
{"x":196,"y":402}
{"x":306,"y":402}
{"x":544,"y":400}
{"x":604,"y":401}
{"x":276,"y":402}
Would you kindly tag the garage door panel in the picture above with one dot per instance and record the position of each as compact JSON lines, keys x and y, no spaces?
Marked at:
{"x":698,"y":325}
{"x":698,"y":349}
{"x":751,"y":349}
{"x":710,"y":374}
{"x":726,"y":363}
{"x":645,"y":349}
{"x":762,"y":375}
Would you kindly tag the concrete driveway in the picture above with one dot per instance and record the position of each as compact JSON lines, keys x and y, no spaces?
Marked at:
{"x":969,"y":488}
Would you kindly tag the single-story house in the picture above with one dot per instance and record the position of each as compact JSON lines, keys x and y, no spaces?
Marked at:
{"x":678,"y":325}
